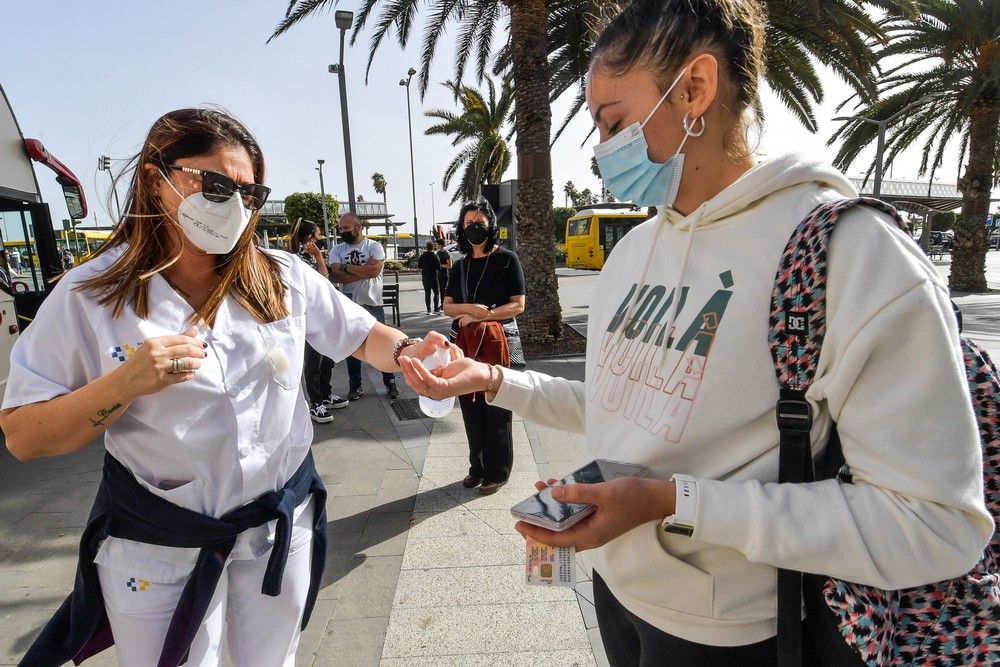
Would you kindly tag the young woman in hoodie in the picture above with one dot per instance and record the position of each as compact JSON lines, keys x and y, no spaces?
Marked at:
{"x":679,"y":376}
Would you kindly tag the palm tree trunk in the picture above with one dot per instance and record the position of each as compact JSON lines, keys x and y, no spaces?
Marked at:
{"x":968,"y":255}
{"x":542,"y":317}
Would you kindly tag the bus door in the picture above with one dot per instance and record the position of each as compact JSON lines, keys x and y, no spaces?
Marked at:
{"x":31,"y":258}
{"x":613,"y":230}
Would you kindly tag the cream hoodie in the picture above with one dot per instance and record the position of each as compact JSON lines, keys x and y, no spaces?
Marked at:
{"x":890,"y":375}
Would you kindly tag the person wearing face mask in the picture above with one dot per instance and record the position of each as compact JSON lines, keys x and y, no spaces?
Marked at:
{"x":487,"y":285}
{"x":356,"y":263}
{"x":181,"y":342}
{"x":679,"y":375}
{"x":307,"y":242}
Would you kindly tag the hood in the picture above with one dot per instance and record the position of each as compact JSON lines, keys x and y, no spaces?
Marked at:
{"x":763,"y":180}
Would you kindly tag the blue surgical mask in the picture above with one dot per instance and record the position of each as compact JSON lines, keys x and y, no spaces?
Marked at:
{"x":629,"y":173}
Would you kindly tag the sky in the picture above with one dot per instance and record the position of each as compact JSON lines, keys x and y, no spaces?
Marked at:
{"x":89,"y":78}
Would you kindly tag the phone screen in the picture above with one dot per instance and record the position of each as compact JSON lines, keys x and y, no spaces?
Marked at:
{"x":543,"y":506}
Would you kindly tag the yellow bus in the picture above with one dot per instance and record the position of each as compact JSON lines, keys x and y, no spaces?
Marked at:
{"x":82,"y":243}
{"x":593,"y":233}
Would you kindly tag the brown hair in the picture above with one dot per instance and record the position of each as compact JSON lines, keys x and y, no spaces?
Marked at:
{"x":247,"y":273}
{"x":663,"y":34}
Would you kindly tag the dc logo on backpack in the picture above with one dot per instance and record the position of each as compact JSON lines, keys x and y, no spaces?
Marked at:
{"x":954,"y":622}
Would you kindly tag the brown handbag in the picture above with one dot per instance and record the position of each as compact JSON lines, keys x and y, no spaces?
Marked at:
{"x":485,"y":342}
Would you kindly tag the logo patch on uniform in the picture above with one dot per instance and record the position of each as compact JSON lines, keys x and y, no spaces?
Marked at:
{"x":122,"y":353}
{"x":136,"y":585}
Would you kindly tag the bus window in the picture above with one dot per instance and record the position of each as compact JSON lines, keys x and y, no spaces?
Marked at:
{"x":580,"y":227}
{"x":21,"y":253}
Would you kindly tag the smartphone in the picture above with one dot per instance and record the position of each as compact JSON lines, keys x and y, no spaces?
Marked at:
{"x":543,"y":510}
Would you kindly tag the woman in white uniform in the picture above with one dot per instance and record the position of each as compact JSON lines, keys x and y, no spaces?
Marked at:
{"x":182,"y":343}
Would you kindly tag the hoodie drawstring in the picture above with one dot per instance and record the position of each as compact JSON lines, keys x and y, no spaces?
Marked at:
{"x":679,"y":284}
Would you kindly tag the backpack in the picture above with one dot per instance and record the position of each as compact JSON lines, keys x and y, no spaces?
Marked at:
{"x":954,"y":622}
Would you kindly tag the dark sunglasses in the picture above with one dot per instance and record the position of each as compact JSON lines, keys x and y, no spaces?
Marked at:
{"x":216,"y":187}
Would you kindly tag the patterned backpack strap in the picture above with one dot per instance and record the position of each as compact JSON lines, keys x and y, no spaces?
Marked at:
{"x":798,"y":301}
{"x":796,"y":330}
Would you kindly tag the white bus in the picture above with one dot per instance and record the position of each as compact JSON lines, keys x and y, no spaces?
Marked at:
{"x":29,"y":255}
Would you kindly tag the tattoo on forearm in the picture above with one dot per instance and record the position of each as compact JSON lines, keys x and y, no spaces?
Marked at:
{"x":104,"y":413}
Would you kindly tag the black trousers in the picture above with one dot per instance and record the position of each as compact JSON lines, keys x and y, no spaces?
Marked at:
{"x":430,"y":281}
{"x":630,"y":641}
{"x":317,"y":371}
{"x":443,"y":282}
{"x":491,"y":445}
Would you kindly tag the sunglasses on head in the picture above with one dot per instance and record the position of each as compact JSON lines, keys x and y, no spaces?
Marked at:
{"x":216,"y":187}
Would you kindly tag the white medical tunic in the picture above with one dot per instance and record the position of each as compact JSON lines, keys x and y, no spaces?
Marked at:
{"x":238,"y":429}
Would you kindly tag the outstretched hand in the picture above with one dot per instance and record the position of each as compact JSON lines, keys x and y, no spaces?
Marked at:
{"x":461,"y":376}
{"x":620,"y":505}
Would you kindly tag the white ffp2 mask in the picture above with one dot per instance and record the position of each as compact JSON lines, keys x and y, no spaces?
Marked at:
{"x":214,"y":227}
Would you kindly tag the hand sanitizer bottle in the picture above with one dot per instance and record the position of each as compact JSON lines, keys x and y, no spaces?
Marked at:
{"x":429,"y":406}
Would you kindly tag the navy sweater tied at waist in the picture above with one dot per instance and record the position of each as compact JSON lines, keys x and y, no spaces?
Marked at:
{"x":124,"y":508}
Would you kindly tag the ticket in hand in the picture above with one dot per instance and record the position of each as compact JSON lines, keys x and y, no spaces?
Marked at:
{"x":549,"y":566}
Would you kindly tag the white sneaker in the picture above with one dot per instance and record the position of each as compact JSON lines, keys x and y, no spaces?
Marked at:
{"x":335,"y":402}
{"x":320,"y":414}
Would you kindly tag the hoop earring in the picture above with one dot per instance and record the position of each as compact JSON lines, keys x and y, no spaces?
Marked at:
{"x":689,"y":125}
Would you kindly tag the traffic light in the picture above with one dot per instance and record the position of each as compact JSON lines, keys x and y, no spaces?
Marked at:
{"x":104,"y":163}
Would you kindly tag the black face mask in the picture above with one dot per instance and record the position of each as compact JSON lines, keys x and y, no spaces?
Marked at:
{"x":347,"y":237}
{"x":477,"y":234}
{"x":321,"y":244}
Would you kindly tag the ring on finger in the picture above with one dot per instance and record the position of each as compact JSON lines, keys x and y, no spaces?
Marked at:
{"x":177,"y":365}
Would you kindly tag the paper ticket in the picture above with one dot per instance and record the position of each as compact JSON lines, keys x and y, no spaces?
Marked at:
{"x":549,"y":566}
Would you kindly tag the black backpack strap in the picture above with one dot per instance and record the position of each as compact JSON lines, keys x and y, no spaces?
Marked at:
{"x":797,"y":329}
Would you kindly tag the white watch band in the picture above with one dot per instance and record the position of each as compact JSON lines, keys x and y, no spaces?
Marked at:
{"x":681,"y":522}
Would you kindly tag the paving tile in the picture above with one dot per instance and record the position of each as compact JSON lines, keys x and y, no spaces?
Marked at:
{"x":23,"y":613}
{"x":589,"y":613}
{"x":499,"y":520}
{"x":585,"y":589}
{"x":396,"y":485}
{"x":313,"y":635}
{"x":367,"y":590}
{"x":471,"y":586}
{"x":349,"y":642}
{"x":385,"y":534}
{"x":509,"y":659}
{"x":597,"y":646}
{"x":439,"y":552}
{"x":456,"y":523}
{"x":497,"y":629}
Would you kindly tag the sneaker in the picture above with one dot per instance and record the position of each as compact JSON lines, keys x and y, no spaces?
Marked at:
{"x":335,"y":402}
{"x":391,"y":392}
{"x":355,"y":394}
{"x":320,"y":414}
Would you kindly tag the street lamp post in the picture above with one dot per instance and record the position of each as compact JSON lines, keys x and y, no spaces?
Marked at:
{"x":433,"y":217}
{"x":322,"y":196}
{"x":882,"y":125}
{"x":344,"y":20}
{"x":413,"y":182}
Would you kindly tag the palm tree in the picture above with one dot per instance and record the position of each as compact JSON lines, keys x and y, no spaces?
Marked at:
{"x":948,"y":69}
{"x":547,"y":53}
{"x":378,"y":183}
{"x":569,"y":192}
{"x":477,"y":21}
{"x":485,"y":155}
{"x":836,"y":33}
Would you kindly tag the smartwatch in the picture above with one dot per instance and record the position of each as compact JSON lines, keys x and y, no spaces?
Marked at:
{"x":681,"y":522}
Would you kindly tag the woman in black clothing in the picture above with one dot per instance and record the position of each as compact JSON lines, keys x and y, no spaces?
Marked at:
{"x":487,"y":284}
{"x":429,"y":265}
{"x":317,"y":371}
